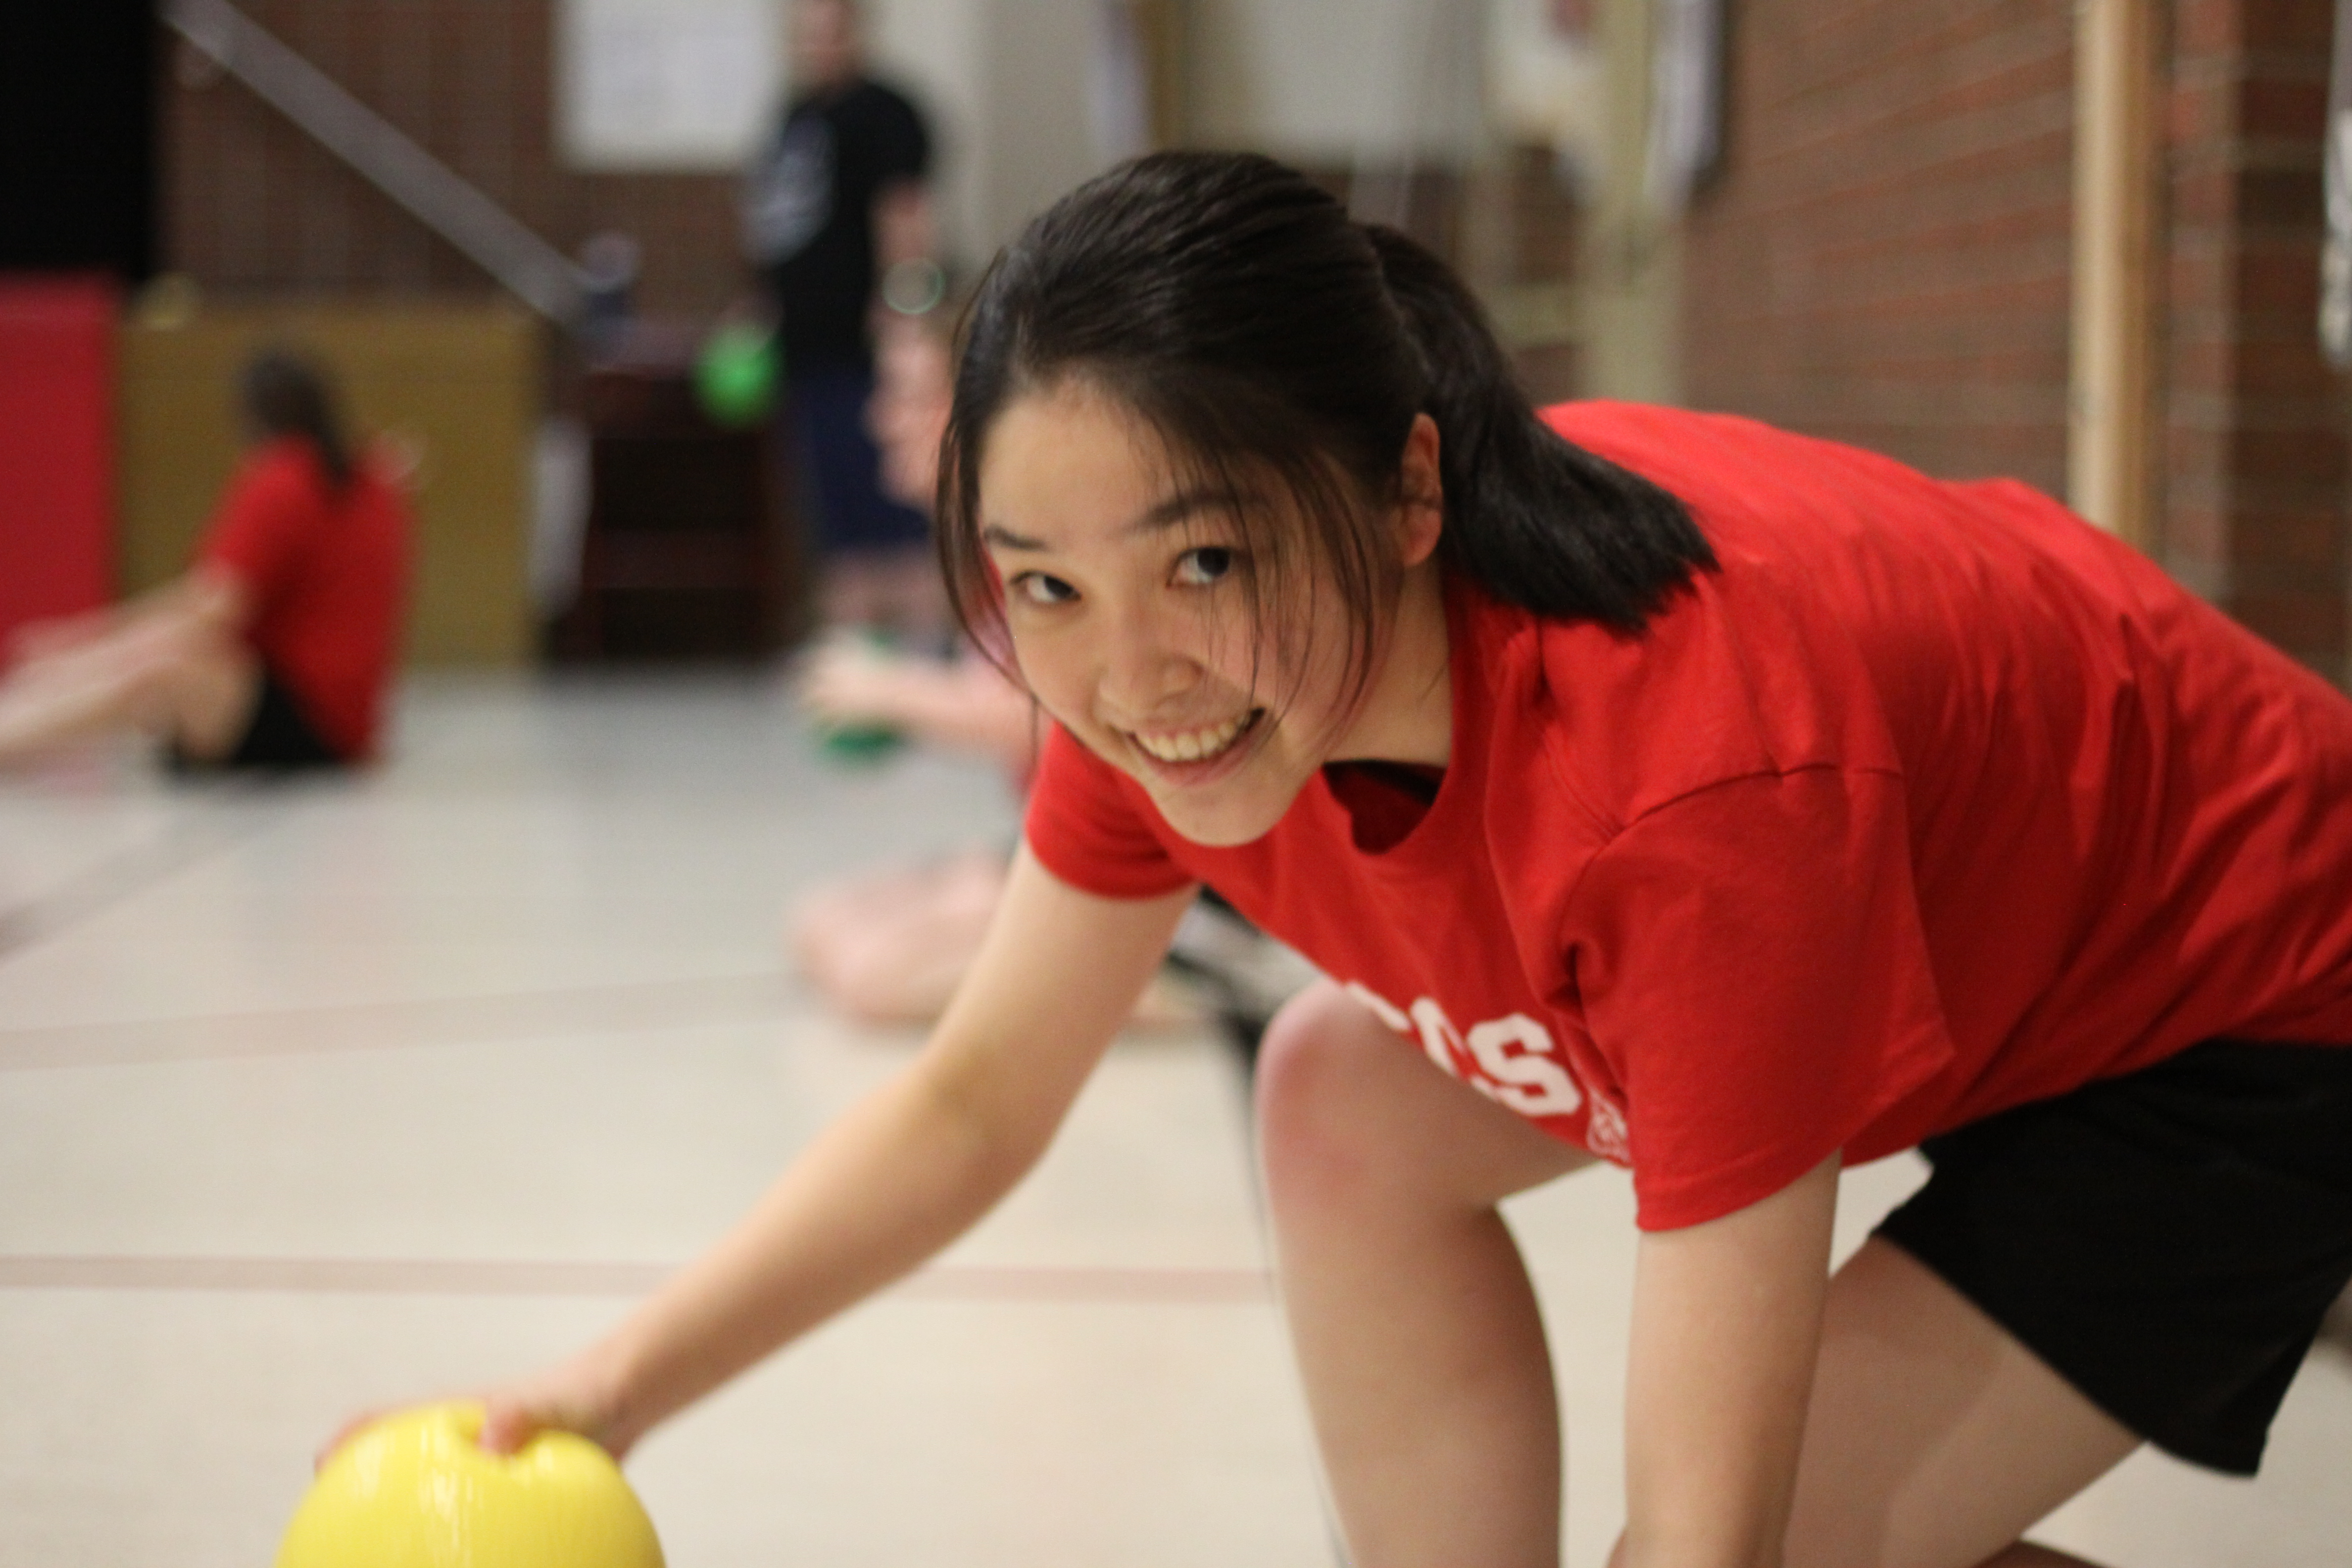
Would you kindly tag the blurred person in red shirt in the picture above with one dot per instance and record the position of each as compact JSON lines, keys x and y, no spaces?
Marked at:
{"x":272,"y":652}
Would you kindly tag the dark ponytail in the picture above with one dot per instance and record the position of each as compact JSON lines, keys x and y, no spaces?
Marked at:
{"x":1534,"y":520}
{"x":1233,"y":306}
{"x":284,"y":393}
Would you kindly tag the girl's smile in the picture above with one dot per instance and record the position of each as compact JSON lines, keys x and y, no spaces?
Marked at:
{"x":1194,"y":748}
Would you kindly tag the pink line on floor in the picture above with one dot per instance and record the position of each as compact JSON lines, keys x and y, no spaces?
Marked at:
{"x":590,"y":1010}
{"x":493,"y":1277}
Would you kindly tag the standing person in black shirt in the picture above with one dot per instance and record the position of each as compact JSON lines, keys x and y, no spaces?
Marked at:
{"x":835,"y":212}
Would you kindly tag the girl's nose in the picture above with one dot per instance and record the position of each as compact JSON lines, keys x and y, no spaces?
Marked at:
{"x":1146,"y":669}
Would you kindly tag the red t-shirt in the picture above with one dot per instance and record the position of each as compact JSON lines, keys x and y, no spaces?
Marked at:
{"x":327,"y":574}
{"x":1933,"y":801}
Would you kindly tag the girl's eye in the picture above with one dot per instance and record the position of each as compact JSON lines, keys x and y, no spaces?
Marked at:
{"x":1198,"y":568}
{"x":1040,"y":589}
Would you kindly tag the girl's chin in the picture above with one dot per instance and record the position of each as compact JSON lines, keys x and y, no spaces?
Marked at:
{"x":1240,"y":812}
{"x":1220,"y":833}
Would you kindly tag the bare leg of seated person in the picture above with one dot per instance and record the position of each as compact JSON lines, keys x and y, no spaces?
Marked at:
{"x":891,"y":948}
{"x":172,"y":677}
{"x":893,"y":591}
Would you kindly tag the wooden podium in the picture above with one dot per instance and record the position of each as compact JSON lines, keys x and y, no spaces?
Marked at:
{"x":688,"y":552}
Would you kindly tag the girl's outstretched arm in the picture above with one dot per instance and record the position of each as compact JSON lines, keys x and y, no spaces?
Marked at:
{"x":889,"y":1183}
{"x":1726,"y":1329}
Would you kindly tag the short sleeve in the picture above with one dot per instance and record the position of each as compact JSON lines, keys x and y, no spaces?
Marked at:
{"x":263,"y":526}
{"x":1752,"y":965}
{"x":1087,"y":827}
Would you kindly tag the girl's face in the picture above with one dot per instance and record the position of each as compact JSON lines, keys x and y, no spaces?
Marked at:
{"x":1127,"y":598}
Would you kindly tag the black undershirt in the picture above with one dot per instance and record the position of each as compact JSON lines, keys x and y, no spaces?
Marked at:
{"x":1384,"y":801}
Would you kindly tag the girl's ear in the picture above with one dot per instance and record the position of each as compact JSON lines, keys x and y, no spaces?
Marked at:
{"x":1421,"y":511}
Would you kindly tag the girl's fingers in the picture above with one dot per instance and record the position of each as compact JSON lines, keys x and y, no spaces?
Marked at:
{"x":508,"y":1426}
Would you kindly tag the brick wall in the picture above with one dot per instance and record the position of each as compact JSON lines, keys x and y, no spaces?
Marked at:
{"x":1884,"y":258}
{"x":2256,"y":468}
{"x":1885,"y":261}
{"x":252,"y":206}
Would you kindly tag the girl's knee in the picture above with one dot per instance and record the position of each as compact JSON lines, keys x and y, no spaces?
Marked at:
{"x":1317,"y":1065}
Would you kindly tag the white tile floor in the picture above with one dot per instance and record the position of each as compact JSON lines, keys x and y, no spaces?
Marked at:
{"x":316,"y":1097}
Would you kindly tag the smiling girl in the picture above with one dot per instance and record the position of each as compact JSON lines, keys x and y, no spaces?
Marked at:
{"x":1652,"y":787}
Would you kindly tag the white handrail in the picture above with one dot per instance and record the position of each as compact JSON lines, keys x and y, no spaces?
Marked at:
{"x":536,"y":272}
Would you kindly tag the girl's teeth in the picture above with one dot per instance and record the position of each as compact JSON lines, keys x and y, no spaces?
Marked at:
{"x":1194,"y":745}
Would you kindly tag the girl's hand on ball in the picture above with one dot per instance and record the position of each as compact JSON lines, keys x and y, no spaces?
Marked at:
{"x":567,"y":1398}
{"x":573,"y":1396}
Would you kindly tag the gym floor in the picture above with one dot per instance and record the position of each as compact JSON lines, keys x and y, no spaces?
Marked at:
{"x":318,"y":1095}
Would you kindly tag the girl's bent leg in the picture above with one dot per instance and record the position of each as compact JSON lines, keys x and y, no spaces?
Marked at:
{"x":1934,"y":1439}
{"x":1415,"y":1325}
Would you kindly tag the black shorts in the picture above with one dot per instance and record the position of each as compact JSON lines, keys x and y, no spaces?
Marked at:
{"x":278,"y":738}
{"x":2167,"y":1241}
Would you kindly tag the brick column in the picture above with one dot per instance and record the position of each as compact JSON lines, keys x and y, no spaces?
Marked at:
{"x":2256,"y":467}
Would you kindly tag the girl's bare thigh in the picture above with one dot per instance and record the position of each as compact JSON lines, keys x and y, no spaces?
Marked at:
{"x":1934,"y":1438}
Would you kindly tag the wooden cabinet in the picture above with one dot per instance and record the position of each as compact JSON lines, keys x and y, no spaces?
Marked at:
{"x":688,"y":552}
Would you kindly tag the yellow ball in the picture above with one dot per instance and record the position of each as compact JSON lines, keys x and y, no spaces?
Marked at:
{"x":416,"y":1491}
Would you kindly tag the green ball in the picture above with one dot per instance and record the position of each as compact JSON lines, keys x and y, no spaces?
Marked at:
{"x":860,"y":744}
{"x":735,"y":374}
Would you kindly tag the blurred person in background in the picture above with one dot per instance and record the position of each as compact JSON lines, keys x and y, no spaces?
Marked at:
{"x":890,"y":946}
{"x":273,"y":651}
{"x":837,"y":216}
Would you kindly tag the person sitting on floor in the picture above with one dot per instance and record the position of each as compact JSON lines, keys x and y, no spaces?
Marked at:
{"x":274,"y":649}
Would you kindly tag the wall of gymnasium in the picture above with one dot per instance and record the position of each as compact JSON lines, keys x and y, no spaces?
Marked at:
{"x":1884,"y":259}
{"x":2257,"y":454}
{"x":252,"y":207}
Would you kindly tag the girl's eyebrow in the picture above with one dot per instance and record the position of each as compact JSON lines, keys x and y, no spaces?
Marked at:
{"x":1183,"y":505}
{"x":1005,"y":539}
{"x":1159,"y":515}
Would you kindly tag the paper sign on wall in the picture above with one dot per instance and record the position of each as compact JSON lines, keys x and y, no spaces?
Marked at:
{"x":685,"y":85}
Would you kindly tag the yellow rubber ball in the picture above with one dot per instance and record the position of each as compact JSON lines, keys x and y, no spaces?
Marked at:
{"x":416,"y":1491}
